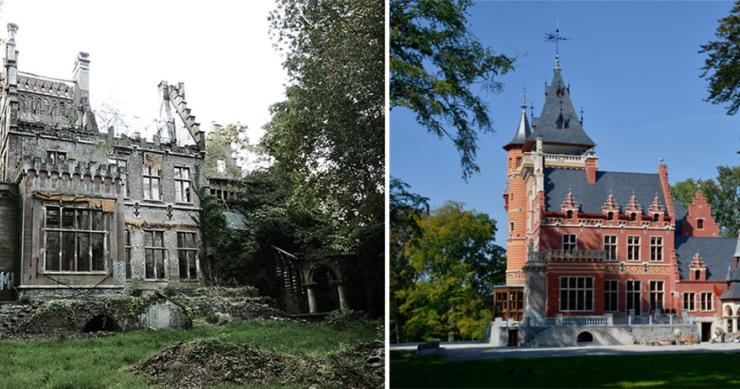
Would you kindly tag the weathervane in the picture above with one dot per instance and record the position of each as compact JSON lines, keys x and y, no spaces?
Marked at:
{"x":556,"y":38}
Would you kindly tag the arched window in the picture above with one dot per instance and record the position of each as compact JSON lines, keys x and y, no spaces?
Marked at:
{"x":656,"y":216}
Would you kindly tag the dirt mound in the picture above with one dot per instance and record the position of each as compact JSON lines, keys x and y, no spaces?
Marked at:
{"x":212,"y":362}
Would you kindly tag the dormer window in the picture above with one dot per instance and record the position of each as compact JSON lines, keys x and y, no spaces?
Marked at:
{"x":569,"y":214}
{"x":633,"y":216}
{"x":610,"y":216}
{"x":656,"y":217}
{"x":699,"y":224}
{"x":697,"y":275}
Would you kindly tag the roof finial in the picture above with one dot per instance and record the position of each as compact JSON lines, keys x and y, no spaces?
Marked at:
{"x":531,"y":112}
{"x":524,"y":98}
{"x":581,"y":116}
{"x":556,"y":38}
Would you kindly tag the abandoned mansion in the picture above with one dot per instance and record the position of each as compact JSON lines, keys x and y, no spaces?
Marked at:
{"x":592,"y":254}
{"x":83,"y":209}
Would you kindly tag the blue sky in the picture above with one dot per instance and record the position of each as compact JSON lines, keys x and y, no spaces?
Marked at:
{"x":633,"y":67}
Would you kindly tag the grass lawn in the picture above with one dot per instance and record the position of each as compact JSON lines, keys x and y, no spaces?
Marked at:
{"x":103,"y":362}
{"x":666,"y":370}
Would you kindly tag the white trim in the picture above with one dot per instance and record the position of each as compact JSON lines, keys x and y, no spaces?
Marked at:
{"x":639,"y":248}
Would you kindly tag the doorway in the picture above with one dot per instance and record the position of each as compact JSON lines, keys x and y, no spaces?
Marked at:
{"x":706,"y":332}
{"x":513,"y":338}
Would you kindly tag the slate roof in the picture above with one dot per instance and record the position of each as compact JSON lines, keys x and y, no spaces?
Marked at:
{"x":235,"y":220}
{"x":680,"y":214}
{"x":557,"y":103}
{"x":523,"y":130}
{"x":591,"y":197}
{"x":716,"y":252}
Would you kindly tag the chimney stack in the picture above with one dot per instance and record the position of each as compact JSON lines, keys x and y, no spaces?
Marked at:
{"x":82,"y":73}
{"x":591,"y":168}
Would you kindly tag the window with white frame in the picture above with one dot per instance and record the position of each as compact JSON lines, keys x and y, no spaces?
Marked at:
{"x":75,"y":239}
{"x":633,"y":248}
{"x":610,"y":247}
{"x":656,"y":248}
{"x":182,"y":185}
{"x":633,"y":294}
{"x":705,"y":299}
{"x":689,"y":301}
{"x":656,"y":295}
{"x":611,"y":295}
{"x":151,"y":182}
{"x":154,"y":255}
{"x":187,"y":255}
{"x":576,"y":293}
{"x":128,"y":248}
{"x":569,"y":242}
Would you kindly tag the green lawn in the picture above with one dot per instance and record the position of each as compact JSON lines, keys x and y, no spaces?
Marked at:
{"x":103,"y":362}
{"x":666,"y":370}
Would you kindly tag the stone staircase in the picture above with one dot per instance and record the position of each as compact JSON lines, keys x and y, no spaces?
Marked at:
{"x":11,"y":313}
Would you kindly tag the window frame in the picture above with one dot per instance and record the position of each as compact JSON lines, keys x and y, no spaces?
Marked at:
{"x":692,"y":301}
{"x":633,"y":245}
{"x":122,"y":162}
{"x":631,"y":291}
{"x":708,"y":304}
{"x":574,"y":242}
{"x":654,"y":249}
{"x":53,"y":156}
{"x":165,"y":255}
{"x":147,"y":174}
{"x":127,"y":249}
{"x":614,"y":245}
{"x":608,"y":292}
{"x":60,"y":230}
{"x":655,"y":291}
{"x":579,"y":291}
{"x":180,"y":184}
{"x":195,"y":249}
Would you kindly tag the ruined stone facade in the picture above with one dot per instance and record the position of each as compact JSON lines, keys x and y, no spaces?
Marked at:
{"x":86,"y":211}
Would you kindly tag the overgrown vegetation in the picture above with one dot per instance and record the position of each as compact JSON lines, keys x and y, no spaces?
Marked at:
{"x":104,"y":362}
{"x":666,"y":370}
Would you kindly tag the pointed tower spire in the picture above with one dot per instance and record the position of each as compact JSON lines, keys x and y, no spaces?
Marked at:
{"x":523,"y":130}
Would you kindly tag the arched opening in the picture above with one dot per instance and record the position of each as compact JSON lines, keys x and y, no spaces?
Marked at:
{"x":325,"y":288}
{"x":101,"y":322}
{"x":728,"y":317}
{"x":585,"y":337}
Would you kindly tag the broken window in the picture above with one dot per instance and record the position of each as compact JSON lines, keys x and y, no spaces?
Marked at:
{"x":123,"y":165}
{"x":154,"y":254}
{"x":187,"y":255}
{"x":128,"y":248}
{"x":151,"y":183}
{"x":76,"y":239}
{"x":56,"y":156}
{"x":182,"y":185}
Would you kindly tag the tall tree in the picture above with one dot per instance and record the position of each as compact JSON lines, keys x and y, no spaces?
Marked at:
{"x":722,"y":65}
{"x":722,"y":194}
{"x":435,"y":62}
{"x":455,"y":264}
{"x":328,"y":135}
{"x":405,"y":209}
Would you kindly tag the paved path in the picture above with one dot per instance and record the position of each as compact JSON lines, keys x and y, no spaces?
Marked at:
{"x":462,"y":351}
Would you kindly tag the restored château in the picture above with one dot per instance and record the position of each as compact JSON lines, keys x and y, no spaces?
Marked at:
{"x":592,"y":247}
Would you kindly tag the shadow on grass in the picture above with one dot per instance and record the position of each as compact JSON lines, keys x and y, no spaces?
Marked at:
{"x":665,"y":370}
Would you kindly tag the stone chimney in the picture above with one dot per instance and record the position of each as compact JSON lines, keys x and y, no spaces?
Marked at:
{"x":82,"y":73}
{"x":591,"y":168}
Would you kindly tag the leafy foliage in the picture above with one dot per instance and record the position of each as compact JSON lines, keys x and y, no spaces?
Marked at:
{"x":454,"y":263}
{"x":222,"y":143}
{"x":328,"y":135}
{"x":722,"y":65}
{"x":722,"y":194}
{"x":435,"y":61}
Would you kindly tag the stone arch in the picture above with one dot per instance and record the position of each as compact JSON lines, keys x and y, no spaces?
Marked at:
{"x":585,"y":337}
{"x":325,"y":289}
{"x":101,"y":322}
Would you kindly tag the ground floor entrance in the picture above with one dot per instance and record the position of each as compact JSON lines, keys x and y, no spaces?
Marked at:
{"x":706,"y":332}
